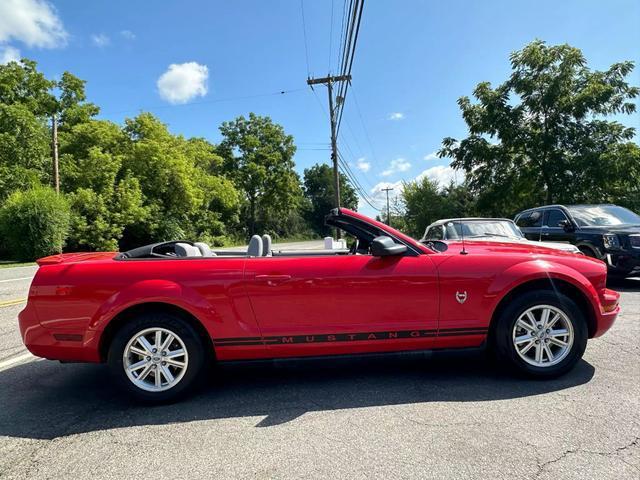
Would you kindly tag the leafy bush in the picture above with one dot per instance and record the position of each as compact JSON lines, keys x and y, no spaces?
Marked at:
{"x":34,"y":223}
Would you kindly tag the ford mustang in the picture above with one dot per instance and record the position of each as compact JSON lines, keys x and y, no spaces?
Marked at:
{"x":158,"y":315}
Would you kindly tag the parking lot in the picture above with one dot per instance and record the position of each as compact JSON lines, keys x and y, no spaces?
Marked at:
{"x":408,"y":416}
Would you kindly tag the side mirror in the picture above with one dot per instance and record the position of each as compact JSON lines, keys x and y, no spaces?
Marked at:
{"x":384,"y":246}
{"x":566,"y":225}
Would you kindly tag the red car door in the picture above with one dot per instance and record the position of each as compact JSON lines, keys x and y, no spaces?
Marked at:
{"x":334,"y":304}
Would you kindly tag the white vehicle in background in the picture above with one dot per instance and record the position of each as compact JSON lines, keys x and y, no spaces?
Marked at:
{"x":490,"y":229}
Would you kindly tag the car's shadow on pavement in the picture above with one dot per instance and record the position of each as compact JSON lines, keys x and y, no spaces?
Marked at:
{"x":45,"y":400}
{"x":624,"y":284}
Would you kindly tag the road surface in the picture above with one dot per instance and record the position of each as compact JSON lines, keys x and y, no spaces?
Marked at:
{"x":413,"y":416}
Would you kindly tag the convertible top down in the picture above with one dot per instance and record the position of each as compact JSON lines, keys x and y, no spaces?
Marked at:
{"x":159,"y":314}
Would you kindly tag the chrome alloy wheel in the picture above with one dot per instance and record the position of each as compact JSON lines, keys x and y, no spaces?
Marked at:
{"x":155,"y":359}
{"x":543,"y":335}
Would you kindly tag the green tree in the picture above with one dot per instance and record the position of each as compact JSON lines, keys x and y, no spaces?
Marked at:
{"x":104,"y":198}
{"x":34,"y":223}
{"x":258,"y":157}
{"x":183,"y":200}
{"x":320,"y":192}
{"x":22,"y":84}
{"x":25,"y":99}
{"x":424,"y":202}
{"x":541,"y":136}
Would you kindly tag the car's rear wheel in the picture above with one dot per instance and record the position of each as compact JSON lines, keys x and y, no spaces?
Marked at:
{"x":541,"y":334}
{"x":157,"y":357}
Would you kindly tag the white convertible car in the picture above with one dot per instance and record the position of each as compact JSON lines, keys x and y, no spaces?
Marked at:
{"x":492,"y":229}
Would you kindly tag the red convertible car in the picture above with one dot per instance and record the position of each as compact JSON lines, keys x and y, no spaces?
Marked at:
{"x":159,"y":314}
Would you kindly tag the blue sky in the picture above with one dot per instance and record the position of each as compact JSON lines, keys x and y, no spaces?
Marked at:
{"x":414,"y":59}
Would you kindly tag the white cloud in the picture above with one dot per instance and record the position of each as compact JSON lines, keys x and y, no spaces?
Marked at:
{"x":33,"y":22}
{"x":363,"y":165}
{"x":431,"y":156}
{"x":379,"y":196}
{"x":128,"y":35}
{"x":183,"y":82}
{"x":100,"y":40}
{"x":396,"y":116}
{"x":443,"y":175}
{"x":397,"y":165}
{"x":9,"y":54}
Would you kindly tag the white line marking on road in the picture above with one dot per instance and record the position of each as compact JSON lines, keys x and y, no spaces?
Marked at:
{"x":22,"y":358}
{"x":15,"y":279}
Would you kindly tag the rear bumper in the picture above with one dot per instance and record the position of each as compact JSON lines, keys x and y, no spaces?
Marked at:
{"x":58,"y":344}
{"x":608,"y":310}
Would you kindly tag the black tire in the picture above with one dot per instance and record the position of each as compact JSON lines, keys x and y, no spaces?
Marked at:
{"x":590,"y":252}
{"x":503,"y":341}
{"x":198,"y":357}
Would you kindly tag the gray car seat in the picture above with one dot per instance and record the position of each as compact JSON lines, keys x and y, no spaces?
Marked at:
{"x":205,"y":250}
{"x":255,"y":247}
{"x":186,"y":250}
{"x":266,"y":245}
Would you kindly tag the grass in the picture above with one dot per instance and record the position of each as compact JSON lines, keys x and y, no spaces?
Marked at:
{"x":9,"y":264}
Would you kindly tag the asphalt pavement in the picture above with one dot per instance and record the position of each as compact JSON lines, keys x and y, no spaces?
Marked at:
{"x":447,"y":415}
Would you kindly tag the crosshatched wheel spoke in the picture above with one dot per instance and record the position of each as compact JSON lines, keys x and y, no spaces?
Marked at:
{"x":158,"y":370}
{"x":138,"y":365}
{"x":543,"y":335}
{"x":148,"y":348}
{"x":558,"y":342}
{"x":528,"y":347}
{"x":553,"y":321}
{"x":145,"y":372}
{"x":524,"y":339}
{"x":175,"y":363}
{"x":167,"y":342}
{"x":139,"y":351}
{"x":175,"y":353}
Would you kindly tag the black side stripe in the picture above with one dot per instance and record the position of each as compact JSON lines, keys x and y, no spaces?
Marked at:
{"x":346,"y":337}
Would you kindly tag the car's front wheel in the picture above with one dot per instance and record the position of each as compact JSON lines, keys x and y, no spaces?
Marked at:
{"x":156,"y":357}
{"x":542,"y":334}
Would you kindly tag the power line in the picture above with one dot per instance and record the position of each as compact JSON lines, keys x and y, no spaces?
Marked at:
{"x":364,"y":127}
{"x":356,"y":184}
{"x":336,"y":104}
{"x":331,"y":37}
{"x":304,"y":33}
{"x":206,"y":102}
{"x":354,"y":178}
{"x":348,"y":53}
{"x":329,"y":81}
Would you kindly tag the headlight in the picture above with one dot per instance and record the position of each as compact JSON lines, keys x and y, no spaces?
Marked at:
{"x":611,"y":241}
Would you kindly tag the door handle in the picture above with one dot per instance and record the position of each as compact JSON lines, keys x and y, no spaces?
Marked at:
{"x":273,"y":279}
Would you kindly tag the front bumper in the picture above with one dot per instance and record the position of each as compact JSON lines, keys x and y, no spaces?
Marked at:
{"x":609,"y":308}
{"x":623,"y":262}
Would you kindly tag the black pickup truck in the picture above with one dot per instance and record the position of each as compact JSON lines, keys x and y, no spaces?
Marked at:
{"x":608,"y":232}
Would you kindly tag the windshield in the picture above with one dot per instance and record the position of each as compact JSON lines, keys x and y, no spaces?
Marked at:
{"x":482,"y":228}
{"x":602,"y":215}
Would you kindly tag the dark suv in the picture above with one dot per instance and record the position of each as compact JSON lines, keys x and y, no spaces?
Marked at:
{"x":608,"y":232}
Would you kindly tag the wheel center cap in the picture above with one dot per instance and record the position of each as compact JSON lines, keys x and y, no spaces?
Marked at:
{"x":155,"y":359}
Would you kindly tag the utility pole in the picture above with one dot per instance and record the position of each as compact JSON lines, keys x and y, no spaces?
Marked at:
{"x":329,"y":81}
{"x":54,"y":148}
{"x":387,"y":190}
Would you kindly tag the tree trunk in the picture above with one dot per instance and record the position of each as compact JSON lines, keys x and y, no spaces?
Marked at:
{"x":252,"y":215}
